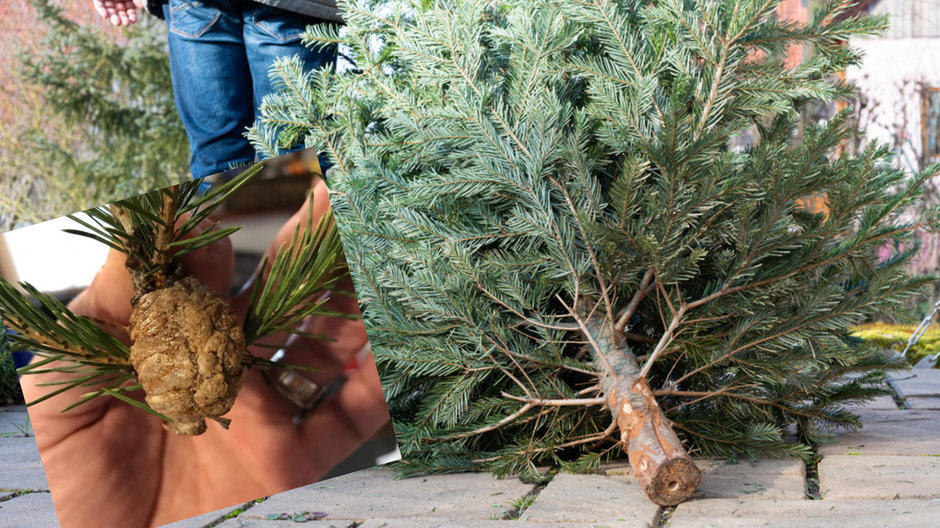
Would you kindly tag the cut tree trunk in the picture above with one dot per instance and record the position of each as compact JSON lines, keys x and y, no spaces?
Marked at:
{"x":661,"y":465}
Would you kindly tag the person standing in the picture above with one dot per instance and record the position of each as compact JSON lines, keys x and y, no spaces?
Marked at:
{"x":221,"y":52}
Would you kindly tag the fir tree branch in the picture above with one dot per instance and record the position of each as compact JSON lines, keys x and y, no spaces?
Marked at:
{"x":506,"y":420}
{"x":606,"y":433}
{"x":728,"y":290}
{"x":782,"y":331}
{"x":589,"y":335}
{"x":664,"y":341}
{"x":644,"y":289}
{"x":598,"y":270}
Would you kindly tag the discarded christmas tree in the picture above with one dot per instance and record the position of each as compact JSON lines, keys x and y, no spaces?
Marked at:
{"x":558,"y":253}
{"x":188,"y":351}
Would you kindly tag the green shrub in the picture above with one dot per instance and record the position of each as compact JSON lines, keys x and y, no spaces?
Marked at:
{"x":96,"y":120}
{"x":10,"y":391}
{"x":895,"y":337}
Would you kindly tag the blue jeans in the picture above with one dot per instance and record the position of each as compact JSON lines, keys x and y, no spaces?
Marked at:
{"x":220,"y":54}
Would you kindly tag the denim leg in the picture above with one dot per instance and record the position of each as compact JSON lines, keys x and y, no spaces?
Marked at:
{"x":211,"y":82}
{"x":272,"y":33}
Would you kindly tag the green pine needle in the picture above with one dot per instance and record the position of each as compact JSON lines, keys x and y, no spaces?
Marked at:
{"x":302,"y":272}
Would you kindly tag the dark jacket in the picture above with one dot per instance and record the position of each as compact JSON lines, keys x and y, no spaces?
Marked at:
{"x":323,"y":9}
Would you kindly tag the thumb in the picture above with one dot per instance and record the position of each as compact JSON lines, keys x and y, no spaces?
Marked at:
{"x":213,"y":265}
{"x":317,"y":204}
{"x":108,"y":297}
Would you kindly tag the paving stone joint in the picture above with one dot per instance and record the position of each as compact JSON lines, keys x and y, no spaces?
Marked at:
{"x":886,"y":474}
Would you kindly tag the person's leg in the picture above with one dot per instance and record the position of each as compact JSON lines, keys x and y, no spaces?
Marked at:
{"x":211,"y":82}
{"x":272,"y":33}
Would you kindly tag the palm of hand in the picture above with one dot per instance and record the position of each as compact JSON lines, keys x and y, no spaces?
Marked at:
{"x":110,"y":464}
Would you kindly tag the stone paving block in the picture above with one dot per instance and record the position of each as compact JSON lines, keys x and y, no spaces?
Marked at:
{"x":924,"y":403}
{"x":918,"y":382}
{"x":374,"y":493}
{"x":261,"y":523}
{"x":593,"y":498}
{"x":762,"y":479}
{"x":618,"y":468}
{"x":15,"y":424}
{"x":879,"y":477}
{"x":731,"y":513}
{"x":20,"y":467}
{"x":902,"y":432}
{"x":33,"y":510}
{"x":200,"y":520}
{"x":928,"y":404}
{"x":771,"y":478}
{"x":880,"y":403}
{"x":920,"y":388}
{"x":451,"y":523}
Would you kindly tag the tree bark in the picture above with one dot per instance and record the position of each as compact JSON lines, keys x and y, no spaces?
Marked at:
{"x":662,"y":467}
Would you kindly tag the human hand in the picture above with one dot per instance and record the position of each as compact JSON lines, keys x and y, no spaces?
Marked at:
{"x":119,"y":12}
{"x":110,"y":464}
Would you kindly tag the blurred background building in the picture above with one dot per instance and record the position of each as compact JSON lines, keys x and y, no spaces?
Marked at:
{"x":899,"y":100}
{"x":899,"y":81}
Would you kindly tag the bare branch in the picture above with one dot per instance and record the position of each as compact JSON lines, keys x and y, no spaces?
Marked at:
{"x":600,"y":353}
{"x":559,"y":402}
{"x":642,"y":291}
{"x":663,"y":341}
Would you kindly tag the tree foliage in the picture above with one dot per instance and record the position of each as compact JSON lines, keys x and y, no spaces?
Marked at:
{"x":9,"y":382}
{"x":513,"y":179}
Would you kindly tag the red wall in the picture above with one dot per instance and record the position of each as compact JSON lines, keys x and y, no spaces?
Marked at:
{"x":796,"y":10}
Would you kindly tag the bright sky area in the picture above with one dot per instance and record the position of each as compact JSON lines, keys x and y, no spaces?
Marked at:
{"x":52,"y":260}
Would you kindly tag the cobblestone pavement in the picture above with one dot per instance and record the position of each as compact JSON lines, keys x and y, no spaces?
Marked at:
{"x":885,"y":475}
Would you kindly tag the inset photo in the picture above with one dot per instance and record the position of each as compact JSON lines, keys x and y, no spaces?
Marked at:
{"x":105,"y":99}
{"x":192,"y":348}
